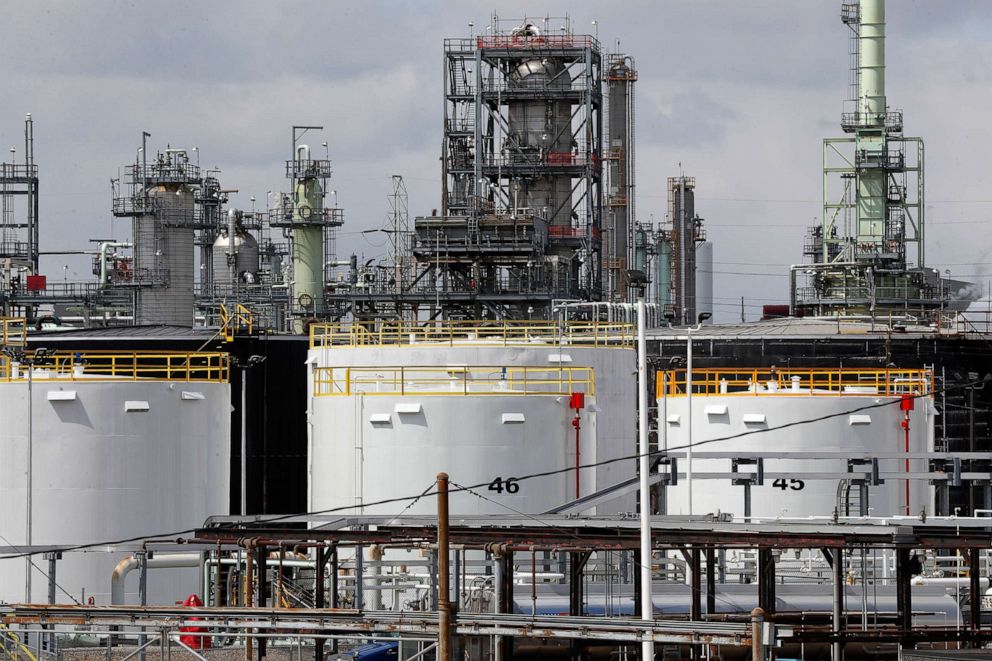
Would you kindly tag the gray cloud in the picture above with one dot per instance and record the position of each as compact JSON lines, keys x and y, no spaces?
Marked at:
{"x":741,"y":92}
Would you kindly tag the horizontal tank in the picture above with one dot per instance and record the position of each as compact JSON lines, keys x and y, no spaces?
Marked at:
{"x":387,"y":417}
{"x":857,"y":413}
{"x":112,"y":458}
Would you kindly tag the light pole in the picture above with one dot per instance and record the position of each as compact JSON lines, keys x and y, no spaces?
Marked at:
{"x":38,"y":354}
{"x":703,"y":316}
{"x":245,"y":366}
{"x":647,"y":608}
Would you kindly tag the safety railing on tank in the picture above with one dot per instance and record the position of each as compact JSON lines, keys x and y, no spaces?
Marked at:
{"x":800,"y":382}
{"x":90,"y":366}
{"x":15,"y":331}
{"x":458,"y":333}
{"x":453,"y":380}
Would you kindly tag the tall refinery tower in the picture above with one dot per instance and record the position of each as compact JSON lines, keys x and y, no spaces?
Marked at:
{"x":867,"y":254}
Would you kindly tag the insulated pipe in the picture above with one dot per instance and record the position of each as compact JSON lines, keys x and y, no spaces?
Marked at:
{"x":159,"y":560}
{"x":871,"y":61}
{"x":104,"y":246}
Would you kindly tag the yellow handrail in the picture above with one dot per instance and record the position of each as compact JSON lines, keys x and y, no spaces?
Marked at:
{"x":15,"y":331}
{"x":431,"y":381}
{"x":14,"y":650}
{"x":241,"y":319}
{"x":89,"y":366}
{"x":398,"y":333}
{"x":797,"y":381}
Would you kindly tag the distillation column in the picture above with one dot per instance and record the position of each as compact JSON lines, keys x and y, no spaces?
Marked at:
{"x":870,"y":137}
{"x":308,"y":237}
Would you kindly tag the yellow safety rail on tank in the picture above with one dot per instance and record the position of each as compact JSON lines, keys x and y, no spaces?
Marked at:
{"x":90,"y":366}
{"x":799,"y":382}
{"x":15,"y":331}
{"x":452,"y":380}
{"x":460,"y":333}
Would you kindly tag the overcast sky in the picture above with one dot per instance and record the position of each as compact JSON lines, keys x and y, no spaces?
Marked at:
{"x":741,"y":93}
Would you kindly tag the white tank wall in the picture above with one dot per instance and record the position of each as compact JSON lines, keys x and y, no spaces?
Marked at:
{"x":353,"y":459}
{"x":101,"y":473}
{"x":836,"y":434}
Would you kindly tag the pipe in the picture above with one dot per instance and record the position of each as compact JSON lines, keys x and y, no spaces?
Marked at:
{"x":647,"y":605}
{"x":104,"y":246}
{"x":159,"y":560}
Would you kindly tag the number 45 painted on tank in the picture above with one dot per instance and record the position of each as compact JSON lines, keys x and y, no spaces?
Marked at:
{"x":795,"y":485}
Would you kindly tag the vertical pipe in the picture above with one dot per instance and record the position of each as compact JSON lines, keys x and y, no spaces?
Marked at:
{"x":710,"y":581}
{"x":688,"y":403}
{"x":244,"y":441}
{"x":647,"y":610}
{"x":837,"y":647}
{"x":262,"y":569}
{"x":974,"y":574}
{"x":318,"y":600}
{"x":29,"y":487}
{"x":444,"y":589}
{"x":757,"y":623}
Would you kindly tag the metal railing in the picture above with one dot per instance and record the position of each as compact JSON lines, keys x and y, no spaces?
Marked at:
{"x":453,"y":380}
{"x":91,"y":366}
{"x":15,"y":331}
{"x":12,"y":647}
{"x":800,"y":382}
{"x":458,"y":332}
{"x":239,"y":318}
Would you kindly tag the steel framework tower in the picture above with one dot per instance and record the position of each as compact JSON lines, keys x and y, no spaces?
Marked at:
{"x":521,"y":215}
{"x":873,"y":199}
{"x":19,"y":222}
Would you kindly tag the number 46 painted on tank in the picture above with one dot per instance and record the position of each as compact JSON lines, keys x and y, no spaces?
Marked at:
{"x":510,"y":485}
{"x":795,"y":485}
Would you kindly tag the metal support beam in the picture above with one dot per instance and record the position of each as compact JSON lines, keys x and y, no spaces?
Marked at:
{"x":766,"y":581}
{"x":695,"y":584}
{"x":263,"y":588}
{"x":974,"y":576}
{"x":710,"y":581}
{"x":836,"y":560}
{"x":904,"y":595}
{"x":318,"y":598}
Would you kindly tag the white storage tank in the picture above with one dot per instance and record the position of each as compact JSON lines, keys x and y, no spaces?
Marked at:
{"x":391,"y":409}
{"x":858,"y":416}
{"x":120,"y":448}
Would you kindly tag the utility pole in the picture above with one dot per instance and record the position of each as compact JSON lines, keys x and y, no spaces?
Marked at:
{"x":443,"y":591}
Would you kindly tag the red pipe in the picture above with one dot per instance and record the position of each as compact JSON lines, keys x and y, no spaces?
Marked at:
{"x":576,"y":422}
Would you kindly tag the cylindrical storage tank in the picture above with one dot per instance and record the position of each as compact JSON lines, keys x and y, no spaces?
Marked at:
{"x":806,"y":464}
{"x":704,"y":278}
{"x":480,"y":413}
{"x":110,"y":461}
{"x":164,"y":257}
{"x":245,"y":259}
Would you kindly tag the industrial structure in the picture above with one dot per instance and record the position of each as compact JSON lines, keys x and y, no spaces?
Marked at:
{"x":814,"y":484}
{"x":867,"y":255}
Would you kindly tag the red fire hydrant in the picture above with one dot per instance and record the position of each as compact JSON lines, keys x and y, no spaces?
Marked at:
{"x":199,"y":641}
